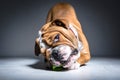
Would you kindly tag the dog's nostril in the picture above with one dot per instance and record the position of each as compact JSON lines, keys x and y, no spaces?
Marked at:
{"x":75,"y":51}
{"x":55,"y":54}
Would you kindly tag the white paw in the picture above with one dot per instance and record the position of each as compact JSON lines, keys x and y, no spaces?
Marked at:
{"x":76,"y":65}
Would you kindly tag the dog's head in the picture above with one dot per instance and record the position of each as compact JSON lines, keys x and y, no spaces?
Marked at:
{"x":59,"y":42}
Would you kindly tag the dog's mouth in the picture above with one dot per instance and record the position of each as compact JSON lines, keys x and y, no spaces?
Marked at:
{"x":63,"y":55}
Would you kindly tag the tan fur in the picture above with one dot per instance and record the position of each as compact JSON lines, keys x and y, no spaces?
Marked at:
{"x":65,"y":13}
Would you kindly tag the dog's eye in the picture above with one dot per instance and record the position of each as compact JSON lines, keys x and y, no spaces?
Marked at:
{"x":60,"y":23}
{"x":56,"y":38}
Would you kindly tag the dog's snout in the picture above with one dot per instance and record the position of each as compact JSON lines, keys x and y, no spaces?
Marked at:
{"x":56,"y":55}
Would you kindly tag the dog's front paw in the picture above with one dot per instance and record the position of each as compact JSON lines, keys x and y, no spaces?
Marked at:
{"x":76,"y":65}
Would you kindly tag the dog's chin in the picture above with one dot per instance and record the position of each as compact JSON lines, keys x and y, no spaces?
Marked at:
{"x":68,"y":58}
{"x":71,"y":60}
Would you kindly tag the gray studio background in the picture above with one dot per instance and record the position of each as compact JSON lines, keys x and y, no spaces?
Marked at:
{"x":20,"y":21}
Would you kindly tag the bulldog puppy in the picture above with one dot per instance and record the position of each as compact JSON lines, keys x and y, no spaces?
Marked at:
{"x":61,"y":40}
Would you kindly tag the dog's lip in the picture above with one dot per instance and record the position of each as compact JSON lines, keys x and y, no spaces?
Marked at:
{"x":62,"y":62}
{"x":56,"y":63}
{"x":67,"y":65}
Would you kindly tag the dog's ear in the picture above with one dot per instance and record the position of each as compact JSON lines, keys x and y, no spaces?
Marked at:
{"x":37,"y":47}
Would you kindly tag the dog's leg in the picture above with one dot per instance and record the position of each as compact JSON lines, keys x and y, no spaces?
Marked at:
{"x":37,"y":47}
{"x":84,"y":57}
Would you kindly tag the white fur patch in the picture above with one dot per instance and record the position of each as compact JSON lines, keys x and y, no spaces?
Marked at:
{"x":75,"y":65}
{"x":65,"y":51}
{"x":73,"y":62}
{"x":80,"y":45}
{"x":73,"y":30}
{"x":42,"y":44}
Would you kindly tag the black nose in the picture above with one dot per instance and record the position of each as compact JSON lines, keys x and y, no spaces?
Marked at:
{"x":56,"y":55}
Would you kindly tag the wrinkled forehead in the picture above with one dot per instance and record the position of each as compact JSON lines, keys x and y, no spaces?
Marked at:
{"x":57,"y":37}
{"x":67,"y":33}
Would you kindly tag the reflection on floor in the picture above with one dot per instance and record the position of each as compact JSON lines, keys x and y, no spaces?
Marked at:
{"x":34,"y":69}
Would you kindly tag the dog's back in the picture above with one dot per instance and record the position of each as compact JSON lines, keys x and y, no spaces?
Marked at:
{"x":62,"y":11}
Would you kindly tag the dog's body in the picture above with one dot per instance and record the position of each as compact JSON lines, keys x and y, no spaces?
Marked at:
{"x":61,"y":39}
